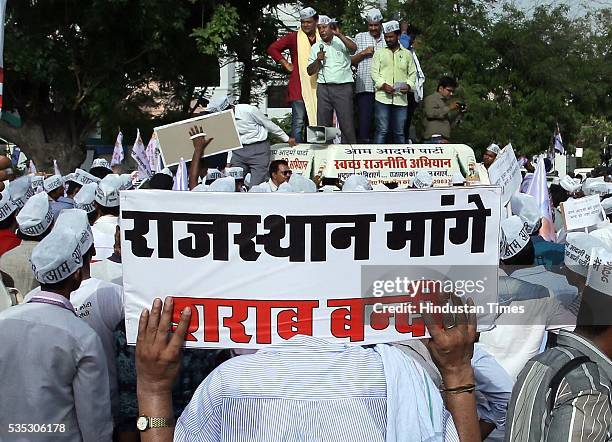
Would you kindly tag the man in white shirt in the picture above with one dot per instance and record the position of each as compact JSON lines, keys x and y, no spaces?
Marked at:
{"x":279,"y":174}
{"x":107,"y":206}
{"x":52,"y":363}
{"x":253,"y":127}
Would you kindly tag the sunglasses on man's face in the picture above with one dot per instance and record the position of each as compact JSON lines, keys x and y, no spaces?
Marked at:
{"x":287,"y":172}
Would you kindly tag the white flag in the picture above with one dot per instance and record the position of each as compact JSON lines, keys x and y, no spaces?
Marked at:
{"x":56,"y":170}
{"x":140,"y":156}
{"x":118,"y":150}
{"x":539,"y":190}
{"x":181,"y":179}
{"x":32,"y":169}
{"x":153,"y":152}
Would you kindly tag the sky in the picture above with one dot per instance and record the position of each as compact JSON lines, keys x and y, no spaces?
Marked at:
{"x":577,"y":7}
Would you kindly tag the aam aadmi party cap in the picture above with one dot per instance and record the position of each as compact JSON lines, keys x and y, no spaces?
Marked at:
{"x":422,"y":180}
{"x":76,"y":220}
{"x":126,"y":181}
{"x":167,"y":171}
{"x":7,"y":207}
{"x":604,"y":234}
{"x":235,"y":172}
{"x":494,"y":148}
{"x":100,"y":162}
{"x":391,"y":26}
{"x":307,"y":13}
{"x":515,"y":236}
{"x":225,"y":184}
{"x":36,"y":215}
{"x":84,"y":199}
{"x":590,"y":183}
{"x":578,"y":249}
{"x":324,"y":20}
{"x":218,"y":104}
{"x":600,"y":269}
{"x":82,"y":177}
{"x":37,"y":181}
{"x":21,"y":190}
{"x":52,"y":183}
{"x":527,"y":208}
{"x":568,"y":184}
{"x":301,"y":184}
{"x":56,"y":257}
{"x":374,"y":16}
{"x":606,"y":203}
{"x":213,"y":174}
{"x":356,"y":183}
{"x":107,"y":193}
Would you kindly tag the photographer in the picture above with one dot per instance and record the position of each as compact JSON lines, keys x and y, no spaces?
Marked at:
{"x":440,"y":116}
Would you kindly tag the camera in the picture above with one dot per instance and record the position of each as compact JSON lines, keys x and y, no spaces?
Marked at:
{"x":462,"y":106}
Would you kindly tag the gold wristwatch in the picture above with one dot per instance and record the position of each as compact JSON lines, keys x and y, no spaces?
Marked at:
{"x":145,"y":422}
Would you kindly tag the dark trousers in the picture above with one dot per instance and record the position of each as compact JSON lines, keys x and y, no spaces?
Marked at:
{"x":255,"y":159}
{"x":339,"y":98}
{"x":412,"y":106}
{"x":365,"y":106}
{"x":298,"y":120}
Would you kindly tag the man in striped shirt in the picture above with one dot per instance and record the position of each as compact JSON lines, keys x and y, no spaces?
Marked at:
{"x":564,"y":394}
{"x":308,"y":389}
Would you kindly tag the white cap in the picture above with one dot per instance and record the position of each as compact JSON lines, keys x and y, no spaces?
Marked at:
{"x":391,"y":26}
{"x":356,"y":183}
{"x":57,"y":256}
{"x":600,"y":267}
{"x":200,"y":188}
{"x":606,"y":203}
{"x":604,"y":234}
{"x":36,"y":216}
{"x":301,"y":184}
{"x":82,"y":177}
{"x":100,"y":162}
{"x":379,"y":187}
{"x":21,"y":190}
{"x":422,"y":180}
{"x":7,"y":207}
{"x":213,"y":174}
{"x":107,"y":193}
{"x":247,"y":179}
{"x":167,"y":171}
{"x":590,"y":183}
{"x":494,"y":148}
{"x":515,"y":236}
{"x":218,"y":104}
{"x":52,"y":183}
{"x":75,"y":220}
{"x":527,"y":208}
{"x":578,"y":251}
{"x":374,"y":16}
{"x":307,"y":13}
{"x":324,"y":20}
{"x":37,"y":181}
{"x":84,"y":199}
{"x":126,"y":181}
{"x":568,"y":184}
{"x":458,"y":178}
{"x":235,"y":172}
{"x":285,"y":188}
{"x":261,"y":188}
{"x":225,"y":184}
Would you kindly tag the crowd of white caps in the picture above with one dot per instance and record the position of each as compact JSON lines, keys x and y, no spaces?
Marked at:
{"x":28,"y":194}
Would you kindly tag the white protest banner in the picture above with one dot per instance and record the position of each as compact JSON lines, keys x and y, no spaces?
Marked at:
{"x":299,"y":158}
{"x":506,"y":173}
{"x":582,"y":212}
{"x":175,"y":142}
{"x":260,"y":268}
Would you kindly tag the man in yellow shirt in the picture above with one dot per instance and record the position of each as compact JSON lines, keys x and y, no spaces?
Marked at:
{"x":394,"y":76}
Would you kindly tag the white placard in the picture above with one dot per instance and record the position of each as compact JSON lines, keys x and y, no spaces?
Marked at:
{"x":259,"y":268}
{"x":506,"y":173}
{"x":582,"y":212}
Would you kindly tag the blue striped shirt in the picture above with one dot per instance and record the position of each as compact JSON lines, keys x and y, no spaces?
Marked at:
{"x":304,"y":389}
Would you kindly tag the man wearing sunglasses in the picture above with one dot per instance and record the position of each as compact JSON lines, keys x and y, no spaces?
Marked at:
{"x":439,"y":115}
{"x":279,"y":173}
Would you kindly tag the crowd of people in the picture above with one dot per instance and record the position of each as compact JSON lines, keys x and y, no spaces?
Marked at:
{"x":378,"y":69}
{"x":68,"y":373}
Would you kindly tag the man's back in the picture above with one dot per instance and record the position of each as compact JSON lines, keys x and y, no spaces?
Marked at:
{"x":582,"y":410}
{"x":305,"y":389}
{"x":54,"y":372}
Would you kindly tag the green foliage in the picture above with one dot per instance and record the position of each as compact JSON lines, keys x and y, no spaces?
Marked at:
{"x":220,"y":28}
{"x":594,"y":136}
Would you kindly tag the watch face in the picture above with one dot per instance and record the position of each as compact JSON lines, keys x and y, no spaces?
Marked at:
{"x":142,"y":423}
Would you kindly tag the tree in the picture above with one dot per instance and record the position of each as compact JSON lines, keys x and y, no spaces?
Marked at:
{"x":71,"y":66}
